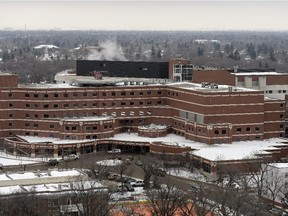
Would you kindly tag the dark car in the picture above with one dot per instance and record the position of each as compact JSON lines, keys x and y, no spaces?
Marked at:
{"x":53,"y":162}
{"x":129,"y":187}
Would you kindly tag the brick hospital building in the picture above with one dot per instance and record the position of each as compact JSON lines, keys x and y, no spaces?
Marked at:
{"x":89,"y":111}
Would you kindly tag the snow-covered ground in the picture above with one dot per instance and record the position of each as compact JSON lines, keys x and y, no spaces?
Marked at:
{"x":111,"y":162}
{"x":9,"y":160}
{"x":185,"y":173}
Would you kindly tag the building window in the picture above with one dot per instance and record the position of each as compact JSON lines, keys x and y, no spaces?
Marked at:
{"x":281,"y":115}
{"x":35,"y":95}
{"x":140,"y":93}
{"x":10,"y":115}
{"x":141,"y":103}
{"x":51,"y":126}
{"x":36,"y":106}
{"x":132,"y":93}
{"x":94,"y":127}
{"x":123,"y":103}
{"x":45,"y":95}
{"x":67,"y":128}
{"x":27,"y":95}
{"x":36,"y":125}
{"x":248,"y":129}
{"x":148,"y":92}
{"x":132,"y":103}
{"x":27,"y":105}
{"x":75,"y":94}
{"x":248,"y":138}
{"x":281,"y":105}
{"x":104,"y":104}
{"x":46,"y":106}
{"x":159,"y":102}
{"x":10,"y":124}
{"x":74,"y":128}
{"x":257,"y":129}
{"x":75,"y":105}
{"x":149,"y":102}
{"x":65,"y":95}
{"x":206,"y":167}
{"x":65,"y":105}
{"x":223,"y":131}
{"x":85,"y":94}
{"x":10,"y":94}
{"x":10,"y":105}
{"x":281,"y":125}
{"x":123,"y":93}
{"x":104,"y":94}
{"x":56,"y":106}
{"x":46,"y":115}
{"x":159,"y":92}
{"x":238,"y":130}
{"x":257,"y":138}
{"x":27,"y":124}
{"x":216,"y":132}
{"x":284,"y":91}
{"x":27,"y":115}
{"x":113,"y":93}
{"x":36,"y":116}
{"x":55,"y":95}
{"x":94,"y":94}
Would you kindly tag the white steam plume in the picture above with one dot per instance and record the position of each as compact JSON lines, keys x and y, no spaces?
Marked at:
{"x":108,"y":50}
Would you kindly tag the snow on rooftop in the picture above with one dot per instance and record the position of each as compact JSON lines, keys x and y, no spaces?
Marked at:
{"x":49,"y":174}
{"x":153,"y":126}
{"x":53,"y":187}
{"x":258,"y":73}
{"x":280,"y":165}
{"x":238,"y":150}
{"x":36,"y":139}
{"x":46,"y":46}
{"x":169,"y":139}
{"x":198,"y":87}
{"x":48,"y":85}
{"x":91,"y":118}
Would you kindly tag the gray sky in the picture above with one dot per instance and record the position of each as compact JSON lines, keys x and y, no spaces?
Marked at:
{"x":145,"y":15}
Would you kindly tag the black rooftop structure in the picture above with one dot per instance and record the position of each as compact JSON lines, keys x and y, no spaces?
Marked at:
{"x":123,"y":68}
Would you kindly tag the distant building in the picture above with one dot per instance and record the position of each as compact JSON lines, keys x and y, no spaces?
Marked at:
{"x":174,"y":69}
{"x":274,"y":84}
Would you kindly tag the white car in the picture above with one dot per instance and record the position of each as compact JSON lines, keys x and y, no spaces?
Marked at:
{"x":71,"y":157}
{"x":115,"y":151}
{"x":137,"y":183}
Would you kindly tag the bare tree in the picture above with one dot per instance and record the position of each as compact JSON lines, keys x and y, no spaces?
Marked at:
{"x":166,"y":200}
{"x":274,"y":186}
{"x":90,"y":198}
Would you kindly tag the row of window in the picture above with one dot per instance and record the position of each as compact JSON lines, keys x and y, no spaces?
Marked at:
{"x":94,"y":104}
{"x":85,"y":94}
{"x":275,"y":91}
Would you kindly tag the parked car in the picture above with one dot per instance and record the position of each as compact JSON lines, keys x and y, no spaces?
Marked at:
{"x":129,"y":187}
{"x":138,"y":162}
{"x":115,"y":151}
{"x":71,"y":157}
{"x":137,"y":183}
{"x":113,"y":176}
{"x":52,"y":162}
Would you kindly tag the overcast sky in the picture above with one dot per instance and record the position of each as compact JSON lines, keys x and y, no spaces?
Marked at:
{"x":145,"y":15}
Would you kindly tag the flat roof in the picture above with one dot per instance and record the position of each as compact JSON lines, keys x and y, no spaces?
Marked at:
{"x":210,"y":87}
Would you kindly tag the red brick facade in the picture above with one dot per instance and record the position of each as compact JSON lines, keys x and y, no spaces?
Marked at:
{"x":208,"y":116}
